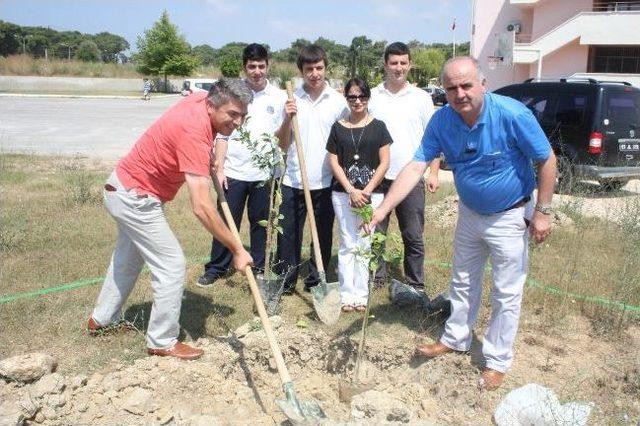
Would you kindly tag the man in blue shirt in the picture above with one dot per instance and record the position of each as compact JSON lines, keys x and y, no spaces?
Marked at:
{"x":491,"y":143}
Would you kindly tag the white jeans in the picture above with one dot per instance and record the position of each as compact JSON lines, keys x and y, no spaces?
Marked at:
{"x":353,"y":271}
{"x":143,"y":236}
{"x":503,"y":237}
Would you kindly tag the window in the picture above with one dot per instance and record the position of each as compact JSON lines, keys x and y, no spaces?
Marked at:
{"x":615,"y":59}
{"x":624,"y":108}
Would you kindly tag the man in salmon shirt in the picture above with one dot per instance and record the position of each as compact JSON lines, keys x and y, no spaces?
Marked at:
{"x":175,"y":149}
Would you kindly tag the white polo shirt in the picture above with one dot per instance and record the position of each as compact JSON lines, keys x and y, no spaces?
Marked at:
{"x":406,"y":115}
{"x":315,"y":119}
{"x":266,"y":113}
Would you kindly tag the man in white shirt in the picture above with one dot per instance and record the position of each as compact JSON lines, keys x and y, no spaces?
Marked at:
{"x":406,"y":110}
{"x":241,"y":179}
{"x":317,"y":106}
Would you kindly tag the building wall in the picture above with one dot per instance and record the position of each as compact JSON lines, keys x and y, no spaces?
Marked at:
{"x":491,"y":19}
{"x":549,"y":14}
{"x":568,"y":60}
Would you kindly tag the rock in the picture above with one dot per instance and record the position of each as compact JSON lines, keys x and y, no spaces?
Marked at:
{"x":140,"y":402}
{"x":164,"y":416}
{"x":429,"y":407}
{"x":29,"y":407}
{"x":39,"y":417}
{"x":399,"y":414}
{"x":78,"y":382}
{"x":49,"y":384}
{"x":379,"y":407}
{"x":49,"y":413}
{"x":203,"y":420}
{"x":27,"y":368}
{"x":11,"y":414}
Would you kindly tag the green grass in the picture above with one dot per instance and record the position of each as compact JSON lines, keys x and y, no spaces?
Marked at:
{"x":54,"y":230}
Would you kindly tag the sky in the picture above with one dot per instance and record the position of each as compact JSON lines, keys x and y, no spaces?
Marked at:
{"x":274,"y":22}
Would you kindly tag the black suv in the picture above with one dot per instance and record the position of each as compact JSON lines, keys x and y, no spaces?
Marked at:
{"x":593,"y":127}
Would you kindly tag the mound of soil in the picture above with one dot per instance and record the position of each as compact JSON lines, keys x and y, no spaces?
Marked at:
{"x":236,"y":382}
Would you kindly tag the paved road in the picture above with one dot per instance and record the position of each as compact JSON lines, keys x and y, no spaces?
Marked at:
{"x":101,"y":128}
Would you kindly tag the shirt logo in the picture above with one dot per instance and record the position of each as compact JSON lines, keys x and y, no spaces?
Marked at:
{"x":270,"y":109}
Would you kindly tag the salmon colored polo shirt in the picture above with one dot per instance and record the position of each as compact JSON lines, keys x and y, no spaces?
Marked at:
{"x":179,"y":142}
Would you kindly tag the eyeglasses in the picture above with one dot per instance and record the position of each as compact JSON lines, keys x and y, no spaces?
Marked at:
{"x":352,"y":98}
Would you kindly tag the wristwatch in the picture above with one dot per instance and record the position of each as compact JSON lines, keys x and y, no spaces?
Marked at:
{"x":544,"y":208}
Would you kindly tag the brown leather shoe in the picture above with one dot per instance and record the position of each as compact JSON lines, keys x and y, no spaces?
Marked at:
{"x":95,"y":329}
{"x":179,"y":350}
{"x":491,"y":379}
{"x":433,"y":350}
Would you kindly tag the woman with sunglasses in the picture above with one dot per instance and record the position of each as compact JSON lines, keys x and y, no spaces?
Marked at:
{"x":359,"y":157}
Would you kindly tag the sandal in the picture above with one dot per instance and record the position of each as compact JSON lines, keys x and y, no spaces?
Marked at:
{"x":347,"y":308}
{"x":360,"y":308}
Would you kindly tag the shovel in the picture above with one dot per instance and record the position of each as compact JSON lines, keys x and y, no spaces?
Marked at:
{"x":298,"y":412}
{"x":326,"y":296}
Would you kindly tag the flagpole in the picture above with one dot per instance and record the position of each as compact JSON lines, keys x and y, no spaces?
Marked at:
{"x":453,"y":30}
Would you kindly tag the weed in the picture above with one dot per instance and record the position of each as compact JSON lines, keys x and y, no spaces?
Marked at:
{"x":81,"y":184}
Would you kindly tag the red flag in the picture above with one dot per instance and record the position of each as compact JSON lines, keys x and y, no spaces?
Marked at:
{"x":453,"y":27}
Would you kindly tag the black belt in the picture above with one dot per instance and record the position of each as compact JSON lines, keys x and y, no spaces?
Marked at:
{"x":520,"y":203}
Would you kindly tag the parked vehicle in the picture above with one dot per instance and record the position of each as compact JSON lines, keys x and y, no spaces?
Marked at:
{"x":593,"y":127}
{"x":437,"y":95}
{"x":191,"y":85}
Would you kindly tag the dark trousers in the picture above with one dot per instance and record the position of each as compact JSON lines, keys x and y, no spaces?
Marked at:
{"x":239,"y":193}
{"x":410,"y":215}
{"x":294,"y":210}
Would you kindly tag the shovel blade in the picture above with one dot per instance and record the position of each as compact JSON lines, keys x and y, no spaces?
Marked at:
{"x":299,"y":412}
{"x":326,"y":301}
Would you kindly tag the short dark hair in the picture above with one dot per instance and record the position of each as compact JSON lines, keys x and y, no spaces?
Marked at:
{"x":396,"y":48}
{"x":310,"y":54}
{"x":360,"y":83}
{"x":254,"y":52}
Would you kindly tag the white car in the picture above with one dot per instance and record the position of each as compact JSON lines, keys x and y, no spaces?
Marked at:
{"x":191,"y":85}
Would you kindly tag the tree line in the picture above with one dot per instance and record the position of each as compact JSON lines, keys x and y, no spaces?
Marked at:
{"x":163,"y":51}
{"x":41,"y":42}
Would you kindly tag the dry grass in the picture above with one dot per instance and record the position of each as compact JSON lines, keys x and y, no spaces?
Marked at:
{"x":25,"y":65}
{"x":54,"y":230}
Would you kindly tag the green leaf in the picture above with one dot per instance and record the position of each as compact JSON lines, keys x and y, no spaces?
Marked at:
{"x":279,"y":230}
{"x":263,"y":223}
{"x":302,"y":323}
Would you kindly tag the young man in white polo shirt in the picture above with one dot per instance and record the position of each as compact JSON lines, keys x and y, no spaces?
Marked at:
{"x":317,"y":106}
{"x":241,"y":180}
{"x":406,"y":110}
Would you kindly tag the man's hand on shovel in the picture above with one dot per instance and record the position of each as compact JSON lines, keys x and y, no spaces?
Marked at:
{"x":241,"y":260}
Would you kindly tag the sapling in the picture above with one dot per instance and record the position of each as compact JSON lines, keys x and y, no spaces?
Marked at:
{"x":386,"y":247}
{"x":267,"y":156}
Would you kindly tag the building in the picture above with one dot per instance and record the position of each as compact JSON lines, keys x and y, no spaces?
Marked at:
{"x":549,"y":39}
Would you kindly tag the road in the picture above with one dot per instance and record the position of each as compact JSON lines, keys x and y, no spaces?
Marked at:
{"x":99,"y":128}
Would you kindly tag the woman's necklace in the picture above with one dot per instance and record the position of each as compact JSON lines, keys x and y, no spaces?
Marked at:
{"x":356,"y":146}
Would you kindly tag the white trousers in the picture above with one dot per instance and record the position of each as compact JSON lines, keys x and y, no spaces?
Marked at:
{"x":353,"y":270}
{"x":144,"y":236}
{"x":504,"y":238}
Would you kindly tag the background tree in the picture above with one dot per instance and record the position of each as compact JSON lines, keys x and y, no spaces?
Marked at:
{"x":427,"y":64}
{"x":10,"y":38}
{"x":88,"y":51}
{"x":205,"y":54}
{"x":162,"y":51}
{"x":110,"y":45}
{"x":230,"y":65}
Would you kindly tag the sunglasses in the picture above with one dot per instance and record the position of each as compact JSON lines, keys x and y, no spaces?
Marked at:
{"x":352,"y":98}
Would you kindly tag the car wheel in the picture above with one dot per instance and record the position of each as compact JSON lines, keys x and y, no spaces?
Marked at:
{"x":613,"y":184}
{"x":565,"y":176}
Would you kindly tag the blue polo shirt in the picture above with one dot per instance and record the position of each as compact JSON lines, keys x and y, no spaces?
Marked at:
{"x":492,"y":162}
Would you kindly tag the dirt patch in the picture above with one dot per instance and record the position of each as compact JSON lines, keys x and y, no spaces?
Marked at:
{"x":237,"y":379}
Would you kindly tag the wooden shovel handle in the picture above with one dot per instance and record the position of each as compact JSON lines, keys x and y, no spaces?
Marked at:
{"x":305,"y":186}
{"x":255,"y":292}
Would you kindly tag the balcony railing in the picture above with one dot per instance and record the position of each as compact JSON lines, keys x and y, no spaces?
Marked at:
{"x":616,"y":6}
